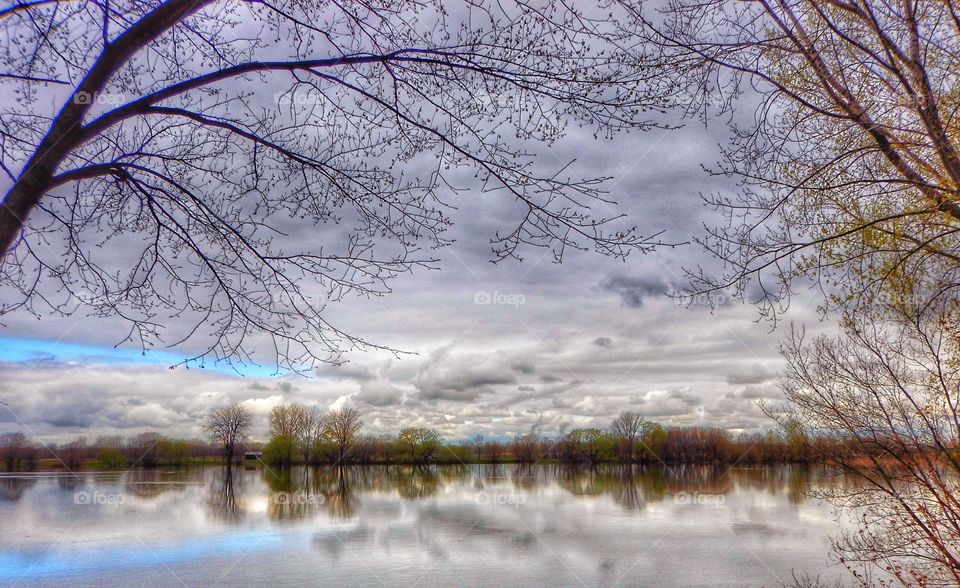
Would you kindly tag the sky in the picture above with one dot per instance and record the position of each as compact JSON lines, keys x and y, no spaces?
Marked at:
{"x":491,"y":349}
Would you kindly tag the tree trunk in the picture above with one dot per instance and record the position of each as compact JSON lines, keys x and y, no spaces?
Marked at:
{"x":65,"y":131}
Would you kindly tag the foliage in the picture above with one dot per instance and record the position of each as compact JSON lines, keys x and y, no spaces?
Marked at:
{"x":848,"y":172}
{"x":173,"y":452}
{"x":591,"y":445}
{"x":280,"y":450}
{"x":654,"y":438}
{"x":110,"y":459}
{"x":454,"y":454}
{"x":418,"y":444}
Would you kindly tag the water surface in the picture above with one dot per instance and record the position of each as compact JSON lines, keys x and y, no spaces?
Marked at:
{"x":400,"y":526}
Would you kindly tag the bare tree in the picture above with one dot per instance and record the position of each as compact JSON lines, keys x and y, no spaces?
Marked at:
{"x":628,"y":426}
{"x":341,"y":427}
{"x":142,"y":449}
{"x":229,"y":426}
{"x":849,"y":172}
{"x":890,"y":391}
{"x":301,"y":424}
{"x":312,"y":424}
{"x":286,"y":420}
{"x":526,"y":447}
{"x":477,"y":443}
{"x":493,"y":451}
{"x":13,"y":448}
{"x":193,"y":142}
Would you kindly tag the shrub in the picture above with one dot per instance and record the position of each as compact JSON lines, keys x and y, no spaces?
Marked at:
{"x":110,"y":459}
{"x":280,"y":450}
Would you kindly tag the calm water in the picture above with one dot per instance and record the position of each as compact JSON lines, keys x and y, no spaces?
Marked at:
{"x":401,"y":526}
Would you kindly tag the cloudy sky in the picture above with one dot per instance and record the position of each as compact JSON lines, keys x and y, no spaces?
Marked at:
{"x":488,"y":349}
{"x":492,"y":349}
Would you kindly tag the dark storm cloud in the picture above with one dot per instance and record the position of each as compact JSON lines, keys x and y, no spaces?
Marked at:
{"x":634,"y":289}
{"x":603,"y":342}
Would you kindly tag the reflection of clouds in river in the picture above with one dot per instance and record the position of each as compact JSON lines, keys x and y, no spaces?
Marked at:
{"x":541,"y":524}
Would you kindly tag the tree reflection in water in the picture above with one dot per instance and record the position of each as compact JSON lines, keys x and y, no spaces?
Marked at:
{"x":223,"y":494}
{"x":151,"y":483}
{"x":291,"y":494}
{"x":415,"y":482}
{"x":14,"y":487}
{"x":442,"y":516}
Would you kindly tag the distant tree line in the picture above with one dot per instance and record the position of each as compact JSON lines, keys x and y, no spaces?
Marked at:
{"x":301,"y":434}
{"x":306,"y":435}
{"x":19,"y":452}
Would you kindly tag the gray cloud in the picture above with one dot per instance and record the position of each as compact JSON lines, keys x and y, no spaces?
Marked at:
{"x":445,"y":376}
{"x":755,"y":374}
{"x":523,"y":368}
{"x":379,"y":393}
{"x":755,"y":392}
{"x":633,"y":289}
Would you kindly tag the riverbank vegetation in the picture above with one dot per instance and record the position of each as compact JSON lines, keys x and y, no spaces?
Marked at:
{"x":300,"y":434}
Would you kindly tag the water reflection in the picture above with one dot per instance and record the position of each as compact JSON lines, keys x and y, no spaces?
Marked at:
{"x":301,"y":492}
{"x":13,"y":488}
{"x":223,"y":495}
{"x":543,"y":523}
